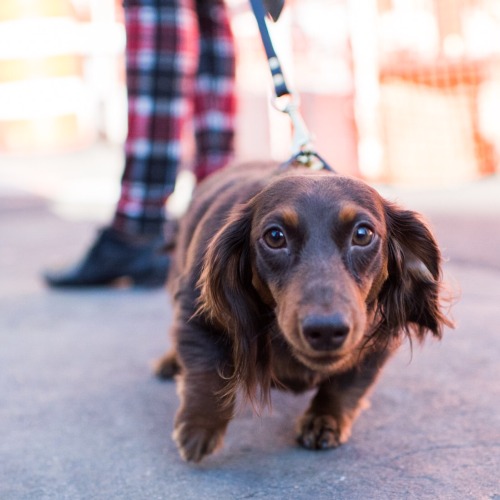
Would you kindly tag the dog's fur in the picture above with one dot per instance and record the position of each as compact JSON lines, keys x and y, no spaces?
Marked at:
{"x":296,"y":279}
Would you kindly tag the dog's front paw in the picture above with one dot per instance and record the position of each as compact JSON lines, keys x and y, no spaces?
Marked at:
{"x":320,"y":432}
{"x":195,"y":442}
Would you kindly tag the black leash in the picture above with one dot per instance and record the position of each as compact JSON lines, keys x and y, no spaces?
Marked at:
{"x":280,"y":88}
{"x":285,"y":101}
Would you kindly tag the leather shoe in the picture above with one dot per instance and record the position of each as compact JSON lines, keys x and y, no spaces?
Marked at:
{"x":114,"y":256}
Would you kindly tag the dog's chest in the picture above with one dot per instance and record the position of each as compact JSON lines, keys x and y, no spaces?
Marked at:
{"x":292,"y":374}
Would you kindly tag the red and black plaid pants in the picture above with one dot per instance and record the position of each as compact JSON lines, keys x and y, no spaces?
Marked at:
{"x":180,"y":65}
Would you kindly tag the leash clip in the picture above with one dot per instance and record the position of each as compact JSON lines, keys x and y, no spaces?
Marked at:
{"x":303,"y":151}
{"x":302,"y":139}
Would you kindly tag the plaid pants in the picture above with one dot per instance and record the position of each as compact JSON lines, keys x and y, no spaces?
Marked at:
{"x":180,"y":64}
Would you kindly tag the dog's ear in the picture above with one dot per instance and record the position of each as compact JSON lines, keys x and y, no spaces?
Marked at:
{"x":226,"y":292}
{"x":411,"y":298}
{"x":229,"y":300}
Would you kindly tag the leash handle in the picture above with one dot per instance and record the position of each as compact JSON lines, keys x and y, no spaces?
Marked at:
{"x":274,"y":8}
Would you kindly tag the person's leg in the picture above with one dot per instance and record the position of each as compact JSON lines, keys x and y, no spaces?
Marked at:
{"x":162,"y":56}
{"x":214,"y":100}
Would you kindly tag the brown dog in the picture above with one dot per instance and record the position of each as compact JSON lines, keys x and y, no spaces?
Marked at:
{"x":296,"y":279}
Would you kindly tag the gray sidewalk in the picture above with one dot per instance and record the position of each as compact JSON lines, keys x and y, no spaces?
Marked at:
{"x":81,"y":417}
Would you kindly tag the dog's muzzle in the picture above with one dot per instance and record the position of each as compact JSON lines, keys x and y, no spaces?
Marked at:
{"x":325,"y":332}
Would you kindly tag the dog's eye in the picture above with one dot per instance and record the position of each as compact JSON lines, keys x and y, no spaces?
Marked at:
{"x":275,"y":238}
{"x":362,"y":236}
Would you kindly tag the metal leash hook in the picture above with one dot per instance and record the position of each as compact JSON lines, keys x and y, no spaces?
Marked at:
{"x":303,"y":151}
{"x":301,"y":139}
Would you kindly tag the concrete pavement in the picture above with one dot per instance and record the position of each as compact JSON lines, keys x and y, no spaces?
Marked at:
{"x":81,"y":417}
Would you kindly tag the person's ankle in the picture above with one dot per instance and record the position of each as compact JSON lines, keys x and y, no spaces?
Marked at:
{"x":133,"y":237}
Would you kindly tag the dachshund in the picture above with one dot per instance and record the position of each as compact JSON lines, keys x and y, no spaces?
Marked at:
{"x":296,"y":279}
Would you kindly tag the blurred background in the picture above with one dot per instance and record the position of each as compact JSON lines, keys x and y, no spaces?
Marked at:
{"x":395,"y":91}
{"x":402,"y":93}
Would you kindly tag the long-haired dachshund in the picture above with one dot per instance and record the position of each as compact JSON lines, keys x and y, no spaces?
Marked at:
{"x":293,"y":278}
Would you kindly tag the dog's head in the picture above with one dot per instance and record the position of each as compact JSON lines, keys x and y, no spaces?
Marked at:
{"x":331,"y":263}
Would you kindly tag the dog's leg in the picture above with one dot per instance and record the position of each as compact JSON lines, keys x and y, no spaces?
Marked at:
{"x":206,"y":404}
{"x":201,"y":422}
{"x":328,"y":421}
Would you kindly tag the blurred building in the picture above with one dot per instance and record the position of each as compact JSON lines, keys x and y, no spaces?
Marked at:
{"x":439,"y":89}
{"x":394,"y":90}
{"x":61,"y":74}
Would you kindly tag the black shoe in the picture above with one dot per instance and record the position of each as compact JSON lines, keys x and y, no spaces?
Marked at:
{"x":114,"y":256}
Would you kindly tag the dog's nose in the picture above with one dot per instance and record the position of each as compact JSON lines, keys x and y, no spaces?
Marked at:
{"x":325,"y":332}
